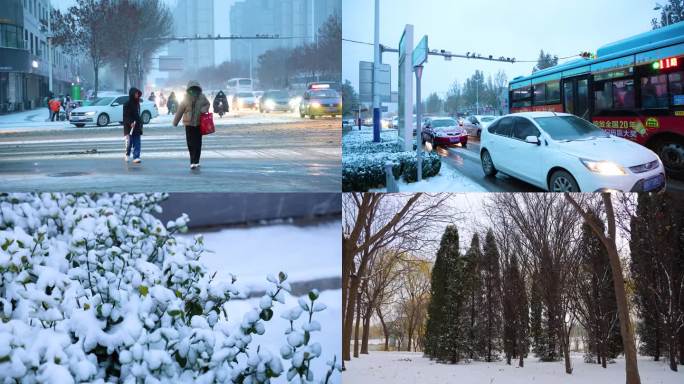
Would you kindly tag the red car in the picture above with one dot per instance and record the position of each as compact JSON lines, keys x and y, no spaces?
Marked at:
{"x":444,"y":131}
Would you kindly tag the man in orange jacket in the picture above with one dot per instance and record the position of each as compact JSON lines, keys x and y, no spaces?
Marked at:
{"x":54,"y":109}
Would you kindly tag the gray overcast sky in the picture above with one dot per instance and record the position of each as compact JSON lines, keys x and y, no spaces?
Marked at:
{"x":515,"y":28}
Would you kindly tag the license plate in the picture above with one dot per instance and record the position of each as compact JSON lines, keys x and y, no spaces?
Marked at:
{"x":654,"y":183}
{"x":332,"y":109}
{"x":77,"y":118}
{"x":455,"y":139}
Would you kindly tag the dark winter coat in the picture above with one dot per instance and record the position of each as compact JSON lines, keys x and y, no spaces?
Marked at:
{"x":220,"y":97}
{"x":131,"y":112}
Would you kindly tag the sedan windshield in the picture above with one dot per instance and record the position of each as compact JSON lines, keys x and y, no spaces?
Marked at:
{"x":102,"y":101}
{"x":569,"y":128}
{"x":278,"y":95}
{"x":245,"y":94}
{"x":443,"y":123}
{"x":487,"y":119}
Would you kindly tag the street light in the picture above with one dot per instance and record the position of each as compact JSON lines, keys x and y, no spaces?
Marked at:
{"x":668,"y":13}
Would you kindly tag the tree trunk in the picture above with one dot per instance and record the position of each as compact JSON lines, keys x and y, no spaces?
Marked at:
{"x":565,"y":341}
{"x":96,"y":70}
{"x":349,"y":319}
{"x":358,"y":323}
{"x":673,"y":352}
{"x":347,"y":266}
{"x":366,"y":332}
{"x":626,"y":329}
{"x":681,"y":346}
{"x":521,"y":362}
{"x":631,"y":368}
{"x":384,"y":329}
{"x":508,"y":358}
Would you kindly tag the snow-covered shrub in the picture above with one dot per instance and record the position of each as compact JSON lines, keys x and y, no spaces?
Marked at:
{"x":363,"y":163}
{"x":95,"y":289}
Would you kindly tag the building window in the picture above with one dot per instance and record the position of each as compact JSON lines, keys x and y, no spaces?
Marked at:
{"x":11,"y":36}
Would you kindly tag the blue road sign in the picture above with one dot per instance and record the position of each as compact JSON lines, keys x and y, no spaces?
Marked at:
{"x":420,"y":52}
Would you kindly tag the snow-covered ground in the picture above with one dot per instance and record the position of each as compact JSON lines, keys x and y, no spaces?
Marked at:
{"x":412,"y":367}
{"x":304,"y":252}
{"x":448,"y":180}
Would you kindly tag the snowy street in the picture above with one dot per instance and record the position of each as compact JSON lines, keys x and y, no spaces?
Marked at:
{"x":412,"y":367}
{"x":248,"y":152}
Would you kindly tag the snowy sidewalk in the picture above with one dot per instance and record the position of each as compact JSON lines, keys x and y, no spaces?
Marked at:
{"x":412,"y":367}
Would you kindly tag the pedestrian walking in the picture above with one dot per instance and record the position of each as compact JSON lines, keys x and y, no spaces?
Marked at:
{"x":172,"y":104}
{"x":152,"y":98}
{"x":133,"y":125}
{"x":190,"y":109}
{"x":55,"y":105}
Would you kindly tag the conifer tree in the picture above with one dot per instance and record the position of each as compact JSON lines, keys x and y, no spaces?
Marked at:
{"x":491,"y":280}
{"x":472,"y":288}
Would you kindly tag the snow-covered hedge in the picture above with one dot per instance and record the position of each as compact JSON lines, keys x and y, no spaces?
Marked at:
{"x":363,"y":161}
{"x":95,"y":289}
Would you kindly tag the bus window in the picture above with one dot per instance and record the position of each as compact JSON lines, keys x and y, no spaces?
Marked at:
{"x":553,"y":92}
{"x":569,"y":96}
{"x":521,"y":98}
{"x":623,"y":94}
{"x":583,"y":99}
{"x":677,"y":88}
{"x":654,"y":92}
{"x":603,"y":96}
{"x":539,"y":94}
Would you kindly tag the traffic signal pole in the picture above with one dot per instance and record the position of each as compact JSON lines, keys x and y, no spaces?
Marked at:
{"x":376,"y":65}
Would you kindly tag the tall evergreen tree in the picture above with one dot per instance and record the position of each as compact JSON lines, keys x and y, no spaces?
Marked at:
{"x":443,"y":339}
{"x":657,"y":266}
{"x":472,"y":290}
{"x":515,"y":313}
{"x":491,"y":282}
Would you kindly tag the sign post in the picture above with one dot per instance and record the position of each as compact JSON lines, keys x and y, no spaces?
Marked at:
{"x":405,"y":77}
{"x":420,"y":55}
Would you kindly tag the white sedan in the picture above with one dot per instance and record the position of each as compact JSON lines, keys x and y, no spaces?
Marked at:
{"x":108,"y":109}
{"x":560,"y":152}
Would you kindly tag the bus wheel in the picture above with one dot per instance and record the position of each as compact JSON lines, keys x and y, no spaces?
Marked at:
{"x":671,"y":152}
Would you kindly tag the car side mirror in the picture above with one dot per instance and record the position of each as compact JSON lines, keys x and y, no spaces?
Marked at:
{"x":115,"y":104}
{"x":532,"y":140}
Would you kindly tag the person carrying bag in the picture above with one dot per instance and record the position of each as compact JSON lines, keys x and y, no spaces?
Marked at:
{"x":190,"y":110}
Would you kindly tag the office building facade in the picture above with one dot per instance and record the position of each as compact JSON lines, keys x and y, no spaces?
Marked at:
{"x":193,"y":18}
{"x":287,"y":18}
{"x":24,"y":57}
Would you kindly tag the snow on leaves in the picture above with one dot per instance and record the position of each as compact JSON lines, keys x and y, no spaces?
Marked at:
{"x":93,"y":288}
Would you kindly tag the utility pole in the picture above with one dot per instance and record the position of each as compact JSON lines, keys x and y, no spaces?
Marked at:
{"x":477,"y":98}
{"x":376,"y":75}
{"x":419,"y":124}
{"x":49,"y":47}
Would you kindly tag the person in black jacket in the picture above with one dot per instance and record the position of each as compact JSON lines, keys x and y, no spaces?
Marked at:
{"x":133,"y":125}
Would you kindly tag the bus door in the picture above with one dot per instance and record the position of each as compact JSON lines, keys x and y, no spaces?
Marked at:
{"x":576,"y":97}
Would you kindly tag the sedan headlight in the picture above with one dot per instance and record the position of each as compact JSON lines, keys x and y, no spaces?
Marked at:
{"x":270,"y":104}
{"x":89,"y":113}
{"x":606,"y":168}
{"x":316,"y":104}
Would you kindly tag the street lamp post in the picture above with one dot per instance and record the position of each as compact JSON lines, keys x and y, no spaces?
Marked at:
{"x":49,"y":48}
{"x":668,"y":13}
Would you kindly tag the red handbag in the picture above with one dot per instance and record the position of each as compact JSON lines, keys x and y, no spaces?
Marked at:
{"x":207,"y":123}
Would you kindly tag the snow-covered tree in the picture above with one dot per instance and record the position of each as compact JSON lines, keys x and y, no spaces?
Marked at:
{"x":492,"y":310}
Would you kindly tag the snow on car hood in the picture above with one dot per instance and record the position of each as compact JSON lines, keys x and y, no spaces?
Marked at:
{"x":621,"y":151}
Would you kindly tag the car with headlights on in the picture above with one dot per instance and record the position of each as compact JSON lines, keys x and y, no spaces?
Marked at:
{"x":320,"y":102}
{"x":244,"y":100}
{"x":444,"y":131}
{"x":274,"y":101}
{"x":107,"y":109}
{"x":560,"y":152}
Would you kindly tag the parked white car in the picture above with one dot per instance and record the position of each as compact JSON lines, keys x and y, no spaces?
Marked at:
{"x":476,"y":123}
{"x":107,"y":109}
{"x":560,"y":152}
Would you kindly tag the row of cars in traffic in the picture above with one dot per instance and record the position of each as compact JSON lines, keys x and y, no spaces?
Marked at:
{"x":557,"y":152}
{"x":317,"y":100}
